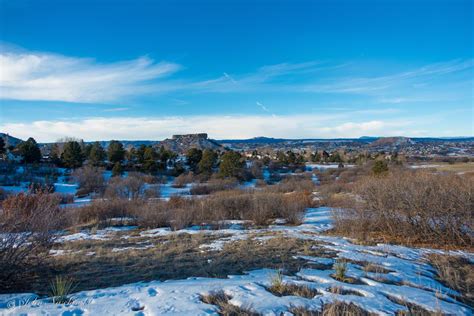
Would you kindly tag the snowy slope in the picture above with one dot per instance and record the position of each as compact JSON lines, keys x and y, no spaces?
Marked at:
{"x":410,"y":280}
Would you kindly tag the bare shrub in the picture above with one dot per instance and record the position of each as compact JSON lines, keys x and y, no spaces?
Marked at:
{"x":26,"y":225}
{"x":412,"y":207}
{"x":66,"y":198}
{"x":129,"y":187}
{"x":153,"y":215}
{"x":102,"y":210}
{"x":259,"y":207}
{"x":89,"y":179}
{"x":183,"y":179}
{"x":293,"y":184}
{"x":214,"y":185}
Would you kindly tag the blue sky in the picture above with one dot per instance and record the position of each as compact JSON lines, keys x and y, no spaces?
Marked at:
{"x":236,"y":69}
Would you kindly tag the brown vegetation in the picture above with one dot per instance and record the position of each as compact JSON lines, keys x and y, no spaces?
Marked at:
{"x":221,"y":300}
{"x":456,"y":273}
{"x":89,"y":179}
{"x":336,"y":308}
{"x":175,"y":256}
{"x":26,"y":223}
{"x":412,"y":208}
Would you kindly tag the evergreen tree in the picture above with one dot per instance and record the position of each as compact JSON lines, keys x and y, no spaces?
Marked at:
{"x":115,"y":152}
{"x":72,"y":156}
{"x":2,"y":146}
{"x":86,"y":150}
{"x":207,"y":162}
{"x":380,"y":167}
{"x":117,"y":170}
{"x":141,"y":153}
{"x":193,"y":156}
{"x":231,"y":165}
{"x":149,"y":160}
{"x":30,"y":151}
{"x":97,"y":154}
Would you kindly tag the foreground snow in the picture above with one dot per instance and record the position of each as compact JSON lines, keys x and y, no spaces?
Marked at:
{"x":410,"y":280}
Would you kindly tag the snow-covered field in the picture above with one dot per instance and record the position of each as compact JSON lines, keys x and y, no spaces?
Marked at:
{"x":407,"y":279}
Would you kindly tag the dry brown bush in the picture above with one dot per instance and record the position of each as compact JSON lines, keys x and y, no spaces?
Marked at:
{"x":103,"y":210}
{"x":293,"y":184}
{"x":130,"y":187}
{"x":259,"y":207}
{"x":89,"y":179}
{"x":412,"y":207}
{"x":26,"y":226}
{"x":214,"y":185}
{"x":185,"y":178}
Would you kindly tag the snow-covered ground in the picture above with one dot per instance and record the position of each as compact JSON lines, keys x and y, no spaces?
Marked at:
{"x":312,"y":166}
{"x":408,"y":278}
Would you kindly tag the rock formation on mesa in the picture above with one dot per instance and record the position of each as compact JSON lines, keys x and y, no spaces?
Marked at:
{"x":182,"y":143}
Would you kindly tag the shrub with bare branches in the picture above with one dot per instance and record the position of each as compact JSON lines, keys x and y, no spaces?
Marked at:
{"x":412,"y":207}
{"x":130,"y":187}
{"x":26,"y":225}
{"x":89,"y":179}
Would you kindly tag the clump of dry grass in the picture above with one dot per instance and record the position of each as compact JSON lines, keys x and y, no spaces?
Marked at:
{"x":343,"y":291}
{"x":340,"y":269}
{"x":340,"y":308}
{"x":221,"y":300}
{"x":61,"y":289}
{"x":457,"y":273}
{"x":375,"y":268}
{"x":280,"y":288}
{"x":412,"y":309}
{"x":336,"y":308}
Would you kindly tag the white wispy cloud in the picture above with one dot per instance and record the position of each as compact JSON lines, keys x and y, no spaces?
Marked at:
{"x":263,"y":107}
{"x":217,"y":126}
{"x":44,"y":76}
{"x":116,"y":109}
{"x":53,"y":77}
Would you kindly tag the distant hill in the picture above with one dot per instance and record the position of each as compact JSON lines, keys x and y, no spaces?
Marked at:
{"x":255,"y":140}
{"x":10,"y":140}
{"x":392,"y":141}
{"x":182,"y":143}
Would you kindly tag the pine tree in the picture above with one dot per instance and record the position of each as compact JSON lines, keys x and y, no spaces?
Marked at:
{"x":97,"y":154}
{"x":231,"y":165}
{"x":380,"y":167}
{"x":116,"y":152}
{"x":2,"y":146}
{"x":117,"y":170}
{"x":30,"y":151}
{"x":72,"y":156}
{"x":207,"y":162}
{"x":193,"y":156}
